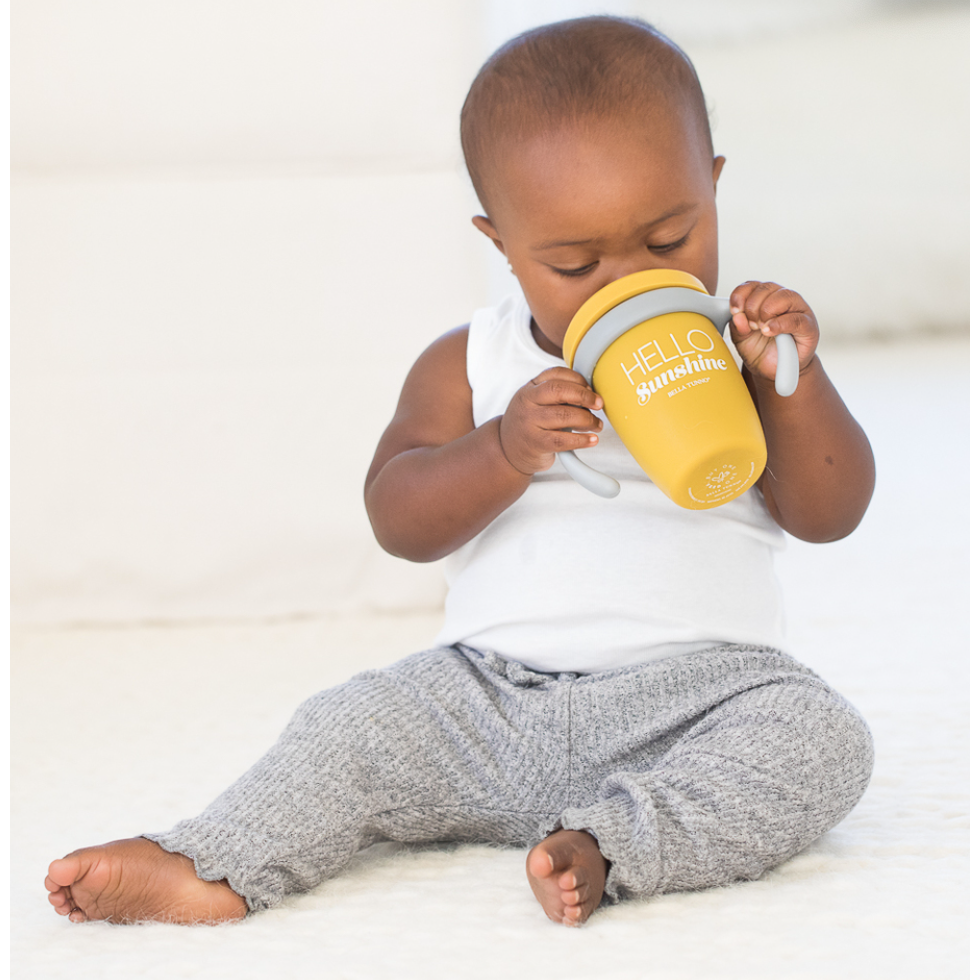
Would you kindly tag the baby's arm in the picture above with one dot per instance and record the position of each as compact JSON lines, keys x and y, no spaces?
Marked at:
{"x":820,"y":473}
{"x":437,"y":480}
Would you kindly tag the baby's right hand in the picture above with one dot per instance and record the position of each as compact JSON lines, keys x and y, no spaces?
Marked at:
{"x":536,"y":423}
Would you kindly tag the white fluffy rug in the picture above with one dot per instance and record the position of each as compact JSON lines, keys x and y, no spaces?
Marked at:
{"x":124,"y":730}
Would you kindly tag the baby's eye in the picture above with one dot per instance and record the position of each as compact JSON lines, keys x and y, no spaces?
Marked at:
{"x":581,"y":271}
{"x":670,"y":246}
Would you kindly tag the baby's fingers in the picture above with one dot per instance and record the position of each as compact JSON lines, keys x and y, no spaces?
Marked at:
{"x":568,"y":418}
{"x":763,"y":310}
{"x":748,"y":297}
{"x":756,"y":304}
{"x":562,"y":386}
{"x":793,"y":322}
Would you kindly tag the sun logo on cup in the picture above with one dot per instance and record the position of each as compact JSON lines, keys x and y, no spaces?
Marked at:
{"x":722,"y":475}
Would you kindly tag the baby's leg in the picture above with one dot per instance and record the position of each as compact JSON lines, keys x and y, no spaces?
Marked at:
{"x":295,"y":818}
{"x":402,"y":754}
{"x":778,"y":760}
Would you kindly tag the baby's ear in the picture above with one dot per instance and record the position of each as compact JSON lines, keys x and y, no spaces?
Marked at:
{"x":716,"y":167}
{"x":486,"y":226}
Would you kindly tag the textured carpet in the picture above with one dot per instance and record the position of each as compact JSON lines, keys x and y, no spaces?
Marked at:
{"x":121,"y":730}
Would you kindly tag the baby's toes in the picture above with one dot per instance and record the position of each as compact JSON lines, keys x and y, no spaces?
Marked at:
{"x":539,"y":862}
{"x":59,"y":898}
{"x":53,"y":886}
{"x":576,"y":897}
{"x":61,"y":905}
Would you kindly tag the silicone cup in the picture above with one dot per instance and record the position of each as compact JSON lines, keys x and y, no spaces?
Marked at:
{"x":638,"y":309}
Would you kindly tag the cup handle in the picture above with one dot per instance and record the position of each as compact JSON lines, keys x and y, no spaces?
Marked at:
{"x":787,"y":364}
{"x":582,"y":473}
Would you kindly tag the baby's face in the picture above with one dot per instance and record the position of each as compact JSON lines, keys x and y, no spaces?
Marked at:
{"x":575,"y":210}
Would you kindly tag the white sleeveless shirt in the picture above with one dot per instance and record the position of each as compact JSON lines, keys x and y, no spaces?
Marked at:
{"x":564,"y":580}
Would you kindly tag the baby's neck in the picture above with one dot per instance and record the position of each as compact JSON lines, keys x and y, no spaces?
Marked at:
{"x":543,"y":342}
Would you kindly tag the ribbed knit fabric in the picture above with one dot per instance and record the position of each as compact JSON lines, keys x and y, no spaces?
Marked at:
{"x":693,"y":771}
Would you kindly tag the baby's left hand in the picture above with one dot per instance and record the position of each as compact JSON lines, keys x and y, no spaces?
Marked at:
{"x":760,"y":310}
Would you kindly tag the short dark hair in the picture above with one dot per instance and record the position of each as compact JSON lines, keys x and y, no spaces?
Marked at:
{"x":573,"y":71}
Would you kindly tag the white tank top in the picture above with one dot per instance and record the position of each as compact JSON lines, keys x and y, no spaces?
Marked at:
{"x":564,"y":580}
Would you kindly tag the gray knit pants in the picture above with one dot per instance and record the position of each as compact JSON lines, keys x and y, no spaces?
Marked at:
{"x":692,"y":771}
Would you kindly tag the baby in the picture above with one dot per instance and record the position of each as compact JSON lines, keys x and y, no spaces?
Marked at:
{"x":608,"y":689}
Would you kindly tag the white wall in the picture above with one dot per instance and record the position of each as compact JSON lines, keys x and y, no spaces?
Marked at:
{"x":235,"y":225}
{"x":236,"y":222}
{"x":845,"y":128}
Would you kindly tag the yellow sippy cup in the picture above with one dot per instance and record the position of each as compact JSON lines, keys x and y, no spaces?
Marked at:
{"x":651,"y":345}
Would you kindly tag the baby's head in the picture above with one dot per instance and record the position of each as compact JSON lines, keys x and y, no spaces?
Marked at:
{"x":588,"y":145}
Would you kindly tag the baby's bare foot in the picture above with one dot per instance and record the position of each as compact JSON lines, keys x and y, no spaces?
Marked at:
{"x":135,"y":880}
{"x":567,"y":875}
